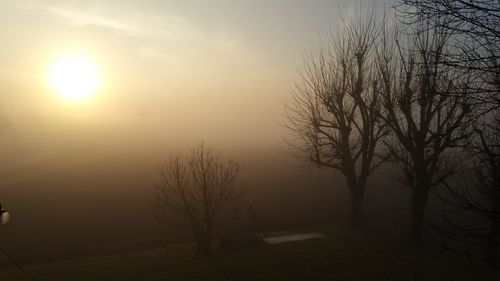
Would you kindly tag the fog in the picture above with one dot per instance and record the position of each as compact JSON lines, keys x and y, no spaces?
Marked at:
{"x":76,"y":176}
{"x":92,"y":200}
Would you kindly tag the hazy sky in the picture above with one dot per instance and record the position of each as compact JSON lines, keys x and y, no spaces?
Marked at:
{"x":173,"y":72}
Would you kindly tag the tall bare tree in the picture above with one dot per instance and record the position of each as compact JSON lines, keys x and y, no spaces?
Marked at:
{"x":471,"y":213}
{"x":485,"y":152}
{"x":425,"y":107}
{"x":487,"y":169}
{"x":474,"y":28}
{"x":334,"y":111}
{"x":201,"y":189}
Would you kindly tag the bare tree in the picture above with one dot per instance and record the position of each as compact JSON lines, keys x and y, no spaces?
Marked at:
{"x":201,"y":189}
{"x":472,"y":203}
{"x":334,"y":109}
{"x":471,"y":213}
{"x":425,"y":107}
{"x":486,"y":151}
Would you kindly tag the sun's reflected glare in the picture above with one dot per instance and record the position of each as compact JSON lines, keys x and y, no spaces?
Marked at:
{"x":74,"y":78}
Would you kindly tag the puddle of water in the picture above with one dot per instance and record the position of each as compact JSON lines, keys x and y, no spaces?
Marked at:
{"x":293,"y":237}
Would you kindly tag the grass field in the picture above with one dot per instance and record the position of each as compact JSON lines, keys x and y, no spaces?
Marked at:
{"x":342,"y":255}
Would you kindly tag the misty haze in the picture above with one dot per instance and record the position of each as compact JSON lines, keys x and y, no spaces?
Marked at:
{"x":250,"y":140}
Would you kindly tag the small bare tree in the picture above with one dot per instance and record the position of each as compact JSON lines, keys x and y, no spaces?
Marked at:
{"x":201,"y":189}
{"x":334,"y":110}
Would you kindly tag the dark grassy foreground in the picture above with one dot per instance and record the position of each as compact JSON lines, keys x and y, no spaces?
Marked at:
{"x":343,"y":255}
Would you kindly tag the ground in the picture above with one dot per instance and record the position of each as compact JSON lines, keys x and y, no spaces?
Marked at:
{"x":342,"y":255}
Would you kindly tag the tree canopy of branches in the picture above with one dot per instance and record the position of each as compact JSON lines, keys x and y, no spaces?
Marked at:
{"x":201,"y":189}
{"x":334,"y":110}
{"x":474,"y":27}
{"x":425,"y":108}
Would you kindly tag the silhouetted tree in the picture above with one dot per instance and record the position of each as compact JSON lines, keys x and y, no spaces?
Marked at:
{"x":473,"y":228}
{"x":425,"y":107}
{"x":472,"y":202}
{"x":200,"y":189}
{"x":334,"y":110}
{"x":487,"y":169}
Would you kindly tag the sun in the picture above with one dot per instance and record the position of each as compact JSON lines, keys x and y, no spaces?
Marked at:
{"x":74,"y":78}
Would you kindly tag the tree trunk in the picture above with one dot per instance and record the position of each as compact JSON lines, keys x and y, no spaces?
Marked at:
{"x":492,"y":252}
{"x":419,"y":200}
{"x":493,"y":249}
{"x":204,"y":240}
{"x":203,"y":244}
{"x":357,"y":198}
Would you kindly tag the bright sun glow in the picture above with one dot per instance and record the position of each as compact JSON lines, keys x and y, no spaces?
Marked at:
{"x":74,"y":78}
